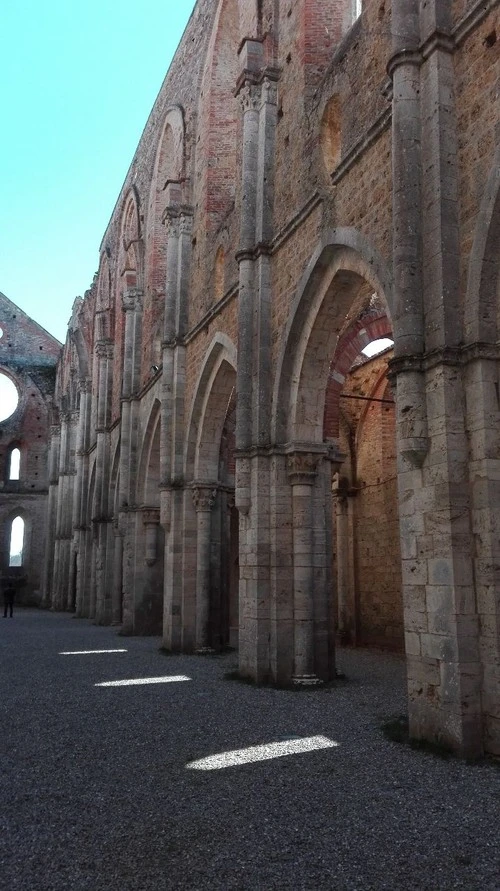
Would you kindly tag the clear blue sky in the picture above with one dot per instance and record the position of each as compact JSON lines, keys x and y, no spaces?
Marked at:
{"x":78,"y":80}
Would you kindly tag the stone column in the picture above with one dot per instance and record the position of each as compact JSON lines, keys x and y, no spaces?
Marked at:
{"x":116,"y":595}
{"x":70,"y":582}
{"x":104,"y":350}
{"x":302,"y":473}
{"x":132,"y":307}
{"x":48,"y":582}
{"x":64,"y":515}
{"x":81,"y":488}
{"x":178,"y":632}
{"x":204,"y":500}
{"x":408,"y":310}
{"x":250,"y":97}
{"x":151,"y":520}
{"x":257,"y":93}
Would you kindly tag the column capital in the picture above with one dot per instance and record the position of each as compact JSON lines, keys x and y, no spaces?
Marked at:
{"x":104,"y":349}
{"x":150,"y":516}
{"x":85,"y":385}
{"x":132,"y":299}
{"x":204,"y":497}
{"x":269,"y":91}
{"x":302,"y":467}
{"x":185,"y":221}
{"x":170,"y":219}
{"x":250,"y":96}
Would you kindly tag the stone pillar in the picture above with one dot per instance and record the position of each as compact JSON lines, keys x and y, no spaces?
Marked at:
{"x":132,"y":307}
{"x":257,"y":93}
{"x":346,"y":605}
{"x":151,"y":520}
{"x":62,"y":559}
{"x":204,"y":500}
{"x":104,"y":350}
{"x":70,"y":583}
{"x":116,"y":595}
{"x":48,"y":581}
{"x":408,"y":309}
{"x":302,"y":472}
{"x":81,"y":489}
{"x":177,"y":633}
{"x":250,"y":101}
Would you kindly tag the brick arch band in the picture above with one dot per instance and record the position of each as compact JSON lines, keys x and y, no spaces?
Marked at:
{"x":362,"y":332}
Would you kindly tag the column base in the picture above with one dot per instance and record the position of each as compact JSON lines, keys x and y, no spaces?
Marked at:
{"x":307,"y":680}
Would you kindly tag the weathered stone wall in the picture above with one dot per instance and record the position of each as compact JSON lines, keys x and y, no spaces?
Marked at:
{"x":28,"y":355}
{"x":302,"y":179}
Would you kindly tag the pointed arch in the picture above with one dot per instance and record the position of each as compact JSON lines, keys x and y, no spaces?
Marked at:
{"x":17,"y":536}
{"x":14,"y":462}
{"x":211,"y":402}
{"x":481,"y":320}
{"x":148,"y":478}
{"x":344,"y":270}
{"x":218,"y":114}
{"x":130,"y":256}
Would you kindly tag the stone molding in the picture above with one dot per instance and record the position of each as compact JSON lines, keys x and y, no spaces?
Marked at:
{"x":457,"y":357}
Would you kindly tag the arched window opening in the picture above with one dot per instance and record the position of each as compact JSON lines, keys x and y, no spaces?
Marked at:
{"x":16,"y":542}
{"x":14,"y":464}
{"x":357,"y":8}
{"x":9,"y":397}
{"x":377,"y":346}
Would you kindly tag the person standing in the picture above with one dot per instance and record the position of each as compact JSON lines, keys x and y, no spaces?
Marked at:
{"x":8,"y":600}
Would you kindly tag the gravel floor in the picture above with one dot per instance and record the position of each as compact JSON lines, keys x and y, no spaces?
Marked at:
{"x":95,"y":793}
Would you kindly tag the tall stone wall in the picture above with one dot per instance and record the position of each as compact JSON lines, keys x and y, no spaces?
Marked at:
{"x":28,"y":357}
{"x":304,"y":183}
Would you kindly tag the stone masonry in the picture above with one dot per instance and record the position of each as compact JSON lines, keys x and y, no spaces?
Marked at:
{"x":28,"y":358}
{"x":228,"y":468}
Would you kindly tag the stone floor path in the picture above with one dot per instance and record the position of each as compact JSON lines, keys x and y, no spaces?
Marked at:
{"x":96,"y":791}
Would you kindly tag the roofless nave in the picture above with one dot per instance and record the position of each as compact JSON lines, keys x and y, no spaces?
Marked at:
{"x":227,"y":467}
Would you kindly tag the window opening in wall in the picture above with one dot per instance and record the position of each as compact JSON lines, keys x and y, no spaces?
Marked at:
{"x":377,"y":346}
{"x":356,"y":9}
{"x":16,"y":542}
{"x":1,"y":333}
{"x":14,"y":464}
{"x":9,"y":397}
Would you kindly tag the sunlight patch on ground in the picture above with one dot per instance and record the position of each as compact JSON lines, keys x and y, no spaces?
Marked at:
{"x":263,"y":753}
{"x":88,"y":652}
{"x":138,"y":681}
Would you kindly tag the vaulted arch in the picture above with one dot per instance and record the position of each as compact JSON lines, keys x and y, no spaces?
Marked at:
{"x":211,"y":402}
{"x":341,"y":277}
{"x":482,"y":303}
{"x":149,"y":465}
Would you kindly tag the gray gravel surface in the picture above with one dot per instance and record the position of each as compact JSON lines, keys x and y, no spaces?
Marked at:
{"x":95,"y":793}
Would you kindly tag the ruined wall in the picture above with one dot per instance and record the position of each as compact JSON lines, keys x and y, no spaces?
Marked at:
{"x":28,"y":356}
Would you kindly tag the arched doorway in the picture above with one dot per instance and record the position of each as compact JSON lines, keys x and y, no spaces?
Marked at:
{"x":327,"y":328}
{"x":211,"y":515}
{"x":148,"y":587}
